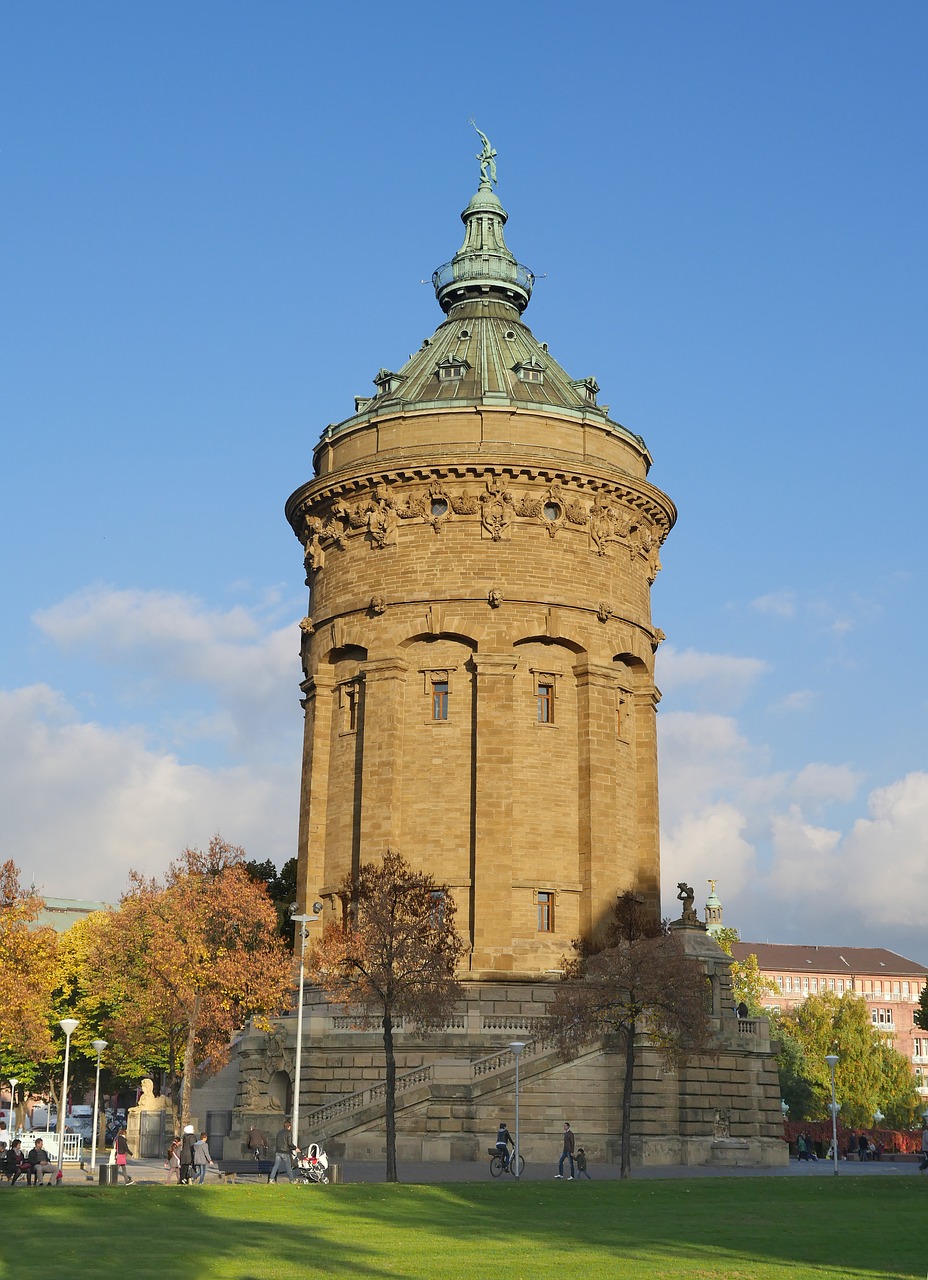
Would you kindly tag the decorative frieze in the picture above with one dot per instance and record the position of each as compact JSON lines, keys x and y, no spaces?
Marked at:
{"x":616,"y":519}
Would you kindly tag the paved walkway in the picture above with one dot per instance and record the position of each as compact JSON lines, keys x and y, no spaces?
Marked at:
{"x":151,"y":1172}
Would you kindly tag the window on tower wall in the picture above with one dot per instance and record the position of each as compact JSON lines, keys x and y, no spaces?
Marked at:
{"x":439,"y":699}
{"x":545,"y":901}
{"x":545,"y":700}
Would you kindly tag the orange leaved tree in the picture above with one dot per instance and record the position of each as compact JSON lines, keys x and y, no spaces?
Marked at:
{"x":394,"y":955}
{"x":27,"y":979}
{"x":182,"y":964}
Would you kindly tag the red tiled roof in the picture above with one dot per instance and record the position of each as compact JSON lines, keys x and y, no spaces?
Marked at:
{"x":786,"y":957}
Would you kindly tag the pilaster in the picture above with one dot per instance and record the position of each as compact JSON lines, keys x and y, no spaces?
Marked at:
{"x":602,"y":873}
{"x":382,"y":754}
{"x":314,"y":795}
{"x":491,"y":869}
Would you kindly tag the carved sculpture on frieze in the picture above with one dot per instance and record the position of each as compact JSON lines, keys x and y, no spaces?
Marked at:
{"x":576,"y":512}
{"x":464,"y":503}
{"x":438,"y":506}
{"x":496,"y":508}
{"x":494,"y":598}
{"x":605,"y":611}
{"x":381,"y":517}
{"x":306,"y":630}
{"x":378,"y":605}
{"x":336,"y":526}
{"x":529,"y":507}
{"x":313,"y":554}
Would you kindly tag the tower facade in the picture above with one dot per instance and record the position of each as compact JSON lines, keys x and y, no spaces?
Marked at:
{"x":480,"y":540}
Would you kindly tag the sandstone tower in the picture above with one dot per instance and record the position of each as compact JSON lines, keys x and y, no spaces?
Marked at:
{"x":480,"y":541}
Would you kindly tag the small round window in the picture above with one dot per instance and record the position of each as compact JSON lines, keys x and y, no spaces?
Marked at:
{"x":439,"y":507}
{"x":552,"y":511}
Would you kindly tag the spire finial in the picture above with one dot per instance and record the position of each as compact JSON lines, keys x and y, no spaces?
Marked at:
{"x":487,"y":158}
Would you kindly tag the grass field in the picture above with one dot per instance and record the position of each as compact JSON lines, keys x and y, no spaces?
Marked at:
{"x":719,"y":1228}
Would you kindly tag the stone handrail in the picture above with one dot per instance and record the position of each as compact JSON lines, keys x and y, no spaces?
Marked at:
{"x":367,"y":1097}
{"x":747,"y":1026}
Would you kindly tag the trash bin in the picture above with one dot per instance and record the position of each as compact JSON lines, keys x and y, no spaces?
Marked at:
{"x":107,"y":1175}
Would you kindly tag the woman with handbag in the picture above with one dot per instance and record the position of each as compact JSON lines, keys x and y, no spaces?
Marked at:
{"x":123,"y":1151}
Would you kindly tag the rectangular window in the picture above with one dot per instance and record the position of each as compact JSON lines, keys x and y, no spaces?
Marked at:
{"x":351,"y":708}
{"x":831,"y":984}
{"x":545,"y":911}
{"x":840,"y":986}
{"x":873,"y":1016}
{"x":895,"y":988}
{"x":789,"y":984}
{"x":780,"y":981}
{"x":805,"y":985}
{"x":440,"y":700}
{"x":437,"y":913}
{"x":545,"y":697}
{"x":815,"y":984}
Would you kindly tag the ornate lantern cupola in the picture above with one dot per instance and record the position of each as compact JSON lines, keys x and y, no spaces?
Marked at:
{"x":484,"y":267}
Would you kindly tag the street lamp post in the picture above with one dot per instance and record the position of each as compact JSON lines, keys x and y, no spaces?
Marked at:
{"x":832,"y":1060}
{"x":517,"y":1046}
{"x":68,"y":1026}
{"x":302,"y":921}
{"x":13,"y":1083}
{"x":99,"y":1045}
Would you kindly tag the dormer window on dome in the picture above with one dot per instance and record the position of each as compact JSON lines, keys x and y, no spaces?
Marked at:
{"x":387,"y":383}
{"x":531,"y":370}
{"x":450,"y":368}
{"x":587,"y":389}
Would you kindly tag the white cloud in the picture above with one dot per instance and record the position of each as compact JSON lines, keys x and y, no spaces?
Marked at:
{"x":720,"y":678}
{"x":83,"y":804}
{"x":781,"y":604}
{"x":798,"y":700}
{"x":819,"y":784}
{"x":704,"y":845}
{"x":172,"y":649}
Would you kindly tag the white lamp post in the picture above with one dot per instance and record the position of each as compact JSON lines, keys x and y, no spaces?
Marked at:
{"x":832,"y":1060}
{"x":99,"y":1045}
{"x":517,"y":1046}
{"x":68,"y":1026}
{"x":13,"y":1083}
{"x":302,"y":921}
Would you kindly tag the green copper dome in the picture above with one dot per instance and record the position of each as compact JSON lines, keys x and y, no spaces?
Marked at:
{"x":483,"y":353}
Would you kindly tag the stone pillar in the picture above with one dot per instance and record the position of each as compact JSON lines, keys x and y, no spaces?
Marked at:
{"x":382,"y":729}
{"x":602,"y":872}
{"x":648,"y":824}
{"x":314,"y":798}
{"x":492,"y":861}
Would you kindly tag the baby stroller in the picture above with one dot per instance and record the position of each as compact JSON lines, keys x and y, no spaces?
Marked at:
{"x":312,"y":1166}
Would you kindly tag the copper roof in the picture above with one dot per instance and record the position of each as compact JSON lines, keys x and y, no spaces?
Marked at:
{"x":785,"y":957}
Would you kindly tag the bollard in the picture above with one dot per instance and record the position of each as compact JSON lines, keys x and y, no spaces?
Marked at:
{"x":335,"y":1172}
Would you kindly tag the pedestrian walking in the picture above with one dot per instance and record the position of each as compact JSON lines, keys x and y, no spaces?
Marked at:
{"x":283,"y":1154}
{"x":123,"y":1152}
{"x":186,"y":1154}
{"x":924,"y":1164}
{"x":567,"y":1153}
{"x":172,"y":1163}
{"x":201,"y":1159}
{"x":581,"y":1164}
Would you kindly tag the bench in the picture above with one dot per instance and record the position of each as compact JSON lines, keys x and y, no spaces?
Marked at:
{"x":232,"y":1170}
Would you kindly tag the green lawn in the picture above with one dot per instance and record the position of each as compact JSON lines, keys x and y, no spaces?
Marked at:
{"x":718,"y":1228}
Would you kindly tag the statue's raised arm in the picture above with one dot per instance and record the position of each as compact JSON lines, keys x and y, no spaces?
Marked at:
{"x":487,"y":158}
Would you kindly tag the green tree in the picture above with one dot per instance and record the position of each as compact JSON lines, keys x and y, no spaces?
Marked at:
{"x":639,"y":982}
{"x":281,"y":889}
{"x":921,"y":1015}
{"x":395,"y":955}
{"x":870,"y":1074}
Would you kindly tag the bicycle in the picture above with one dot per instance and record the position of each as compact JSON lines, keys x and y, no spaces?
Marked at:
{"x":504,"y":1164}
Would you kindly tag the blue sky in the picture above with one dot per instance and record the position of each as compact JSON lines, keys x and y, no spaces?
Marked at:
{"x":216,"y":219}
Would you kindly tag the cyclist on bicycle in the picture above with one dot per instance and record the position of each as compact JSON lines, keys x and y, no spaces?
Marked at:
{"x":503,"y":1142}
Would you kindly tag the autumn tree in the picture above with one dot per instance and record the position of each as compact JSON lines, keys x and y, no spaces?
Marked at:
{"x":748,"y":983}
{"x":183,"y":963}
{"x":638,"y":983}
{"x":27,"y":980}
{"x":394,"y":956}
{"x":870,"y":1074}
{"x":921,"y":1013}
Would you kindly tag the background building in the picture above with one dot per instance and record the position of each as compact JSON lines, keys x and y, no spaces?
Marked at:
{"x":890,"y":984}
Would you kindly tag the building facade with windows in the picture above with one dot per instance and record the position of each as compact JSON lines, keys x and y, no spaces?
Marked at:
{"x":480,"y":539}
{"x":890,"y":984}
